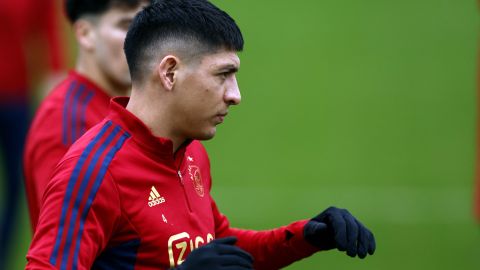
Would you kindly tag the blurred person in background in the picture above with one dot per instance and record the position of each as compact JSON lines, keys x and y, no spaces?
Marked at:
{"x":30,"y":51}
{"x":81,"y":100}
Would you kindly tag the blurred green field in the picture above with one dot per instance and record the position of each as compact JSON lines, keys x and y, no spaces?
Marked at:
{"x":366,"y":105}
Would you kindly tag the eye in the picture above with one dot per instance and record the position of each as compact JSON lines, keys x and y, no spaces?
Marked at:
{"x":223,"y":75}
{"x":226,"y":73}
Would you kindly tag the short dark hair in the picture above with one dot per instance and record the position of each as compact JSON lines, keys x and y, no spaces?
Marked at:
{"x":75,"y":9}
{"x":193,"y":27}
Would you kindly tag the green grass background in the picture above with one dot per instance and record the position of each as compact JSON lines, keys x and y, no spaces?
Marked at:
{"x":365,"y":105}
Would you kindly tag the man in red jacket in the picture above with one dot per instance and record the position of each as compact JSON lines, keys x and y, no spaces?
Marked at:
{"x":134,"y":191}
{"x":81,"y":100}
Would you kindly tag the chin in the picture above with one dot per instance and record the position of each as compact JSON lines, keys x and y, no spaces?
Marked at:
{"x":206,"y":135}
{"x":121,"y":81}
{"x":125,"y":84}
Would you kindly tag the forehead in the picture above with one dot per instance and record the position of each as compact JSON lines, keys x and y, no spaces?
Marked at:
{"x":221,"y":59}
{"x":122,"y":11}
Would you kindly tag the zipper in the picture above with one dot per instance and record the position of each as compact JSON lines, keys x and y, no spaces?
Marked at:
{"x":180,"y":177}
{"x":179,"y":173}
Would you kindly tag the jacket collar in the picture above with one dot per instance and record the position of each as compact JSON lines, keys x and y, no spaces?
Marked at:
{"x":141,"y":134}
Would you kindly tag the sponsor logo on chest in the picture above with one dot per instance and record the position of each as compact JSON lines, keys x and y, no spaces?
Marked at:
{"x":179,"y":245}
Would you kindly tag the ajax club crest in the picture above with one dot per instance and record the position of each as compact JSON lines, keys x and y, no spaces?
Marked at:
{"x":196,"y":177}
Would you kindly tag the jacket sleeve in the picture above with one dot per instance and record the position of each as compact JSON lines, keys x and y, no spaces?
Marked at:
{"x":77,"y":218}
{"x":271,"y":249}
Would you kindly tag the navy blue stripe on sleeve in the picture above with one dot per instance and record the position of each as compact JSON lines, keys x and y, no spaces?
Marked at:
{"x":66,"y":107}
{"x":78,"y":197}
{"x":70,"y":187}
{"x":73,"y":113}
{"x":98,"y":180}
{"x":109,"y":140}
{"x":83,"y":110}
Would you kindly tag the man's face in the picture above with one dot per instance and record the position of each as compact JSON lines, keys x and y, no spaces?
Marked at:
{"x":204,"y":92}
{"x":110,"y":32}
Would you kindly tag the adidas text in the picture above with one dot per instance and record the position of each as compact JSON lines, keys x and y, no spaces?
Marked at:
{"x":157,"y":201}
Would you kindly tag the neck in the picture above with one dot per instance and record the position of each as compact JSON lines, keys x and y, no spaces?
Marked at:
{"x":91,"y":70}
{"x":154,"y":113}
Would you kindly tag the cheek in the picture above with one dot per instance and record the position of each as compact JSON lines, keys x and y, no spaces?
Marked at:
{"x":206,"y":99}
{"x":112,"y":43}
{"x":214,"y":93}
{"x":205,"y":95}
{"x":116,"y":41}
{"x":202,"y":98}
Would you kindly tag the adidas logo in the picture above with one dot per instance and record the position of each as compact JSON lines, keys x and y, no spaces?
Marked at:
{"x":155,"y":198}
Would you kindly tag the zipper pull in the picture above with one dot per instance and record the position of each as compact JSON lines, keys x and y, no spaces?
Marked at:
{"x":180,"y":175}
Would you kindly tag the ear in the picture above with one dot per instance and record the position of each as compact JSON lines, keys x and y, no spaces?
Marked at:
{"x":167,"y":71}
{"x":85,"y":34}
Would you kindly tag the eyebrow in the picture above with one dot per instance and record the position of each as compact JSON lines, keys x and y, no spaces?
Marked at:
{"x":229,"y":68}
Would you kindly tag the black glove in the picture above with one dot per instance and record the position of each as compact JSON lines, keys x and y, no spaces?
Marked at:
{"x":220,"y":254}
{"x":337,"y":228}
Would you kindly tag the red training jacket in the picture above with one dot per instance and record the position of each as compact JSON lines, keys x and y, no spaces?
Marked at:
{"x":120,"y":199}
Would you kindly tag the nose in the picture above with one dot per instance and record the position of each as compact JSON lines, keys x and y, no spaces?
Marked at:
{"x":232,"y":93}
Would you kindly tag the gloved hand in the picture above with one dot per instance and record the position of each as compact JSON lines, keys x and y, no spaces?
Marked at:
{"x":337,"y":228}
{"x":220,"y":254}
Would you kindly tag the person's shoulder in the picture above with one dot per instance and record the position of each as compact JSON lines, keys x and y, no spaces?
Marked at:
{"x":55,"y":100}
{"x":92,"y":154}
{"x":197,"y":151}
{"x":49,"y":116}
{"x":197,"y":147}
{"x":101,"y":142}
